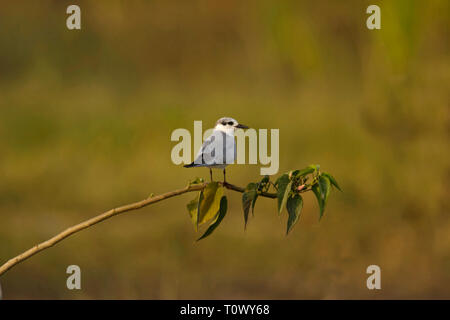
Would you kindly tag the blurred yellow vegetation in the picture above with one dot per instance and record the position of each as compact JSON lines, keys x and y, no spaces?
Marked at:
{"x":85,"y":124}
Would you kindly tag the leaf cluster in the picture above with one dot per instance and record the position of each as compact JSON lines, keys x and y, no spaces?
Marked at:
{"x":210,"y":205}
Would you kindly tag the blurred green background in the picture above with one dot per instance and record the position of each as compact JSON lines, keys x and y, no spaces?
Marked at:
{"x":85,"y":124}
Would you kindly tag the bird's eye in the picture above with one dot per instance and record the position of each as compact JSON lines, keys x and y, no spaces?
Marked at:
{"x":230,"y":123}
{"x":224,"y":123}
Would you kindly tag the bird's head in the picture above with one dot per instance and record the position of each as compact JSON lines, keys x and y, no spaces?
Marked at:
{"x":228,"y":125}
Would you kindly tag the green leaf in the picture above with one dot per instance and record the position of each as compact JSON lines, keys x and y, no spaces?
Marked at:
{"x":322,"y":191}
{"x":294,"y":205}
{"x":332,"y":180}
{"x":253,"y":203}
{"x":249,"y":198}
{"x":284,"y":187}
{"x":303,"y":172}
{"x":277,"y":182}
{"x":209,"y":202}
{"x":221,"y":215}
{"x":324,"y":186}
{"x":263,"y":184}
{"x":316,"y":191}
{"x":192,"y":207}
{"x":264,"y":180}
{"x":200,"y":200}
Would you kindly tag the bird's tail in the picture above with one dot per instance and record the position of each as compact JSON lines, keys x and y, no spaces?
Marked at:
{"x":189,"y":165}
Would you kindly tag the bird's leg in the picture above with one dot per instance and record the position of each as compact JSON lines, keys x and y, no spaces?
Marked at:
{"x":210,"y":174}
{"x":224,"y":178}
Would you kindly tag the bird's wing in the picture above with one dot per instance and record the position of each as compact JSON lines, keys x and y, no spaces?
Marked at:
{"x":219,"y":148}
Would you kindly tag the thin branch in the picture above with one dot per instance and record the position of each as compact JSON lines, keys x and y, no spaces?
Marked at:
{"x":106,"y":215}
{"x":241,"y":190}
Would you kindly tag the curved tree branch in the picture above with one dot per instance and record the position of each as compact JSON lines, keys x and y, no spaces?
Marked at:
{"x":108,"y":214}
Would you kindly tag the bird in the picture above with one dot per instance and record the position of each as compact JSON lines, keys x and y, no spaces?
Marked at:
{"x":219,"y":150}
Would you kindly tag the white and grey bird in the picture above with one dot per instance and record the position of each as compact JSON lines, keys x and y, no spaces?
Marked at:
{"x":219,"y":150}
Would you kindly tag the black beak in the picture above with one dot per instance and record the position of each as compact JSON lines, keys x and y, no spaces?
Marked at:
{"x":241,"y":126}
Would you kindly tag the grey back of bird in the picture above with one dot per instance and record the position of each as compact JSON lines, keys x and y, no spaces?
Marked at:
{"x":218,"y":151}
